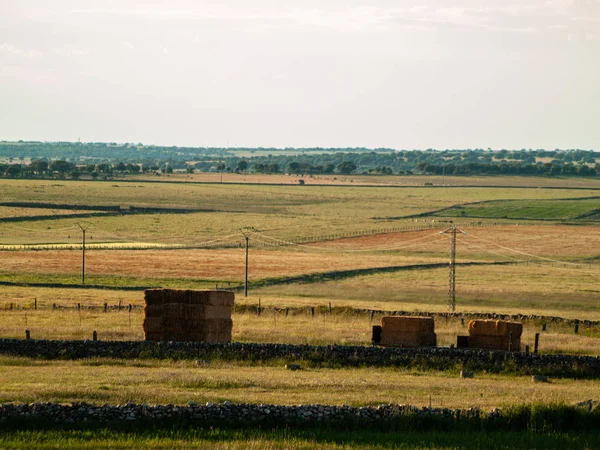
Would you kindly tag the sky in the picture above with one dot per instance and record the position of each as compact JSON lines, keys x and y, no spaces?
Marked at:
{"x":290,"y":73}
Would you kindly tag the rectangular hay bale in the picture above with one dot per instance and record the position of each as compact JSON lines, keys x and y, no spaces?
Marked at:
{"x":494,"y":342}
{"x":494,"y":328}
{"x":408,"y":338}
{"x":153,"y":324}
{"x":408,"y":324}
{"x":153,"y":296}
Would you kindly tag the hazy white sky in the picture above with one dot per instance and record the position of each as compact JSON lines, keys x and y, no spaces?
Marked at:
{"x":393,"y":73}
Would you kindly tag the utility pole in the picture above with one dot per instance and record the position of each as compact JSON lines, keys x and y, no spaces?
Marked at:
{"x":452,"y":274}
{"x":247,"y":232}
{"x":83,"y":226}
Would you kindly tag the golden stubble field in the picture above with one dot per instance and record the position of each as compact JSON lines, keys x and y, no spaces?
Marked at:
{"x":553,"y":245}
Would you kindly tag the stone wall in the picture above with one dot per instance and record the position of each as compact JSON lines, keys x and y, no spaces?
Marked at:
{"x":583,"y":417}
{"x":570,"y":366}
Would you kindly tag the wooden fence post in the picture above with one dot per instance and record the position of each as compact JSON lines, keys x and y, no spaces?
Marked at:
{"x":95,"y":335}
{"x":537,"y":342}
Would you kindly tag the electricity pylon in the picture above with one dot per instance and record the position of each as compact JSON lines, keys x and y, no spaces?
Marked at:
{"x":247,"y":232}
{"x":452,"y":274}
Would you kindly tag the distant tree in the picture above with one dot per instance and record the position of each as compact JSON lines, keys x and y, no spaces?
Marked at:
{"x":39,"y":166}
{"x":328,"y":168}
{"x":242,"y":165}
{"x":294,"y":167}
{"x":75,"y":174}
{"x":346,"y":167}
{"x":60,"y":166}
{"x":104,"y":168}
{"x":13,"y":171}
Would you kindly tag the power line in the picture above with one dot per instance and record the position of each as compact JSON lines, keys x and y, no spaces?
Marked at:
{"x":525,"y":253}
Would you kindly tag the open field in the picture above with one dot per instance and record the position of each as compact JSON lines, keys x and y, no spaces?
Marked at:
{"x":554,"y":270}
{"x":378,"y":180}
{"x":121,"y":381}
{"x":513,"y":289}
{"x":285,"y":211}
{"x":272,"y":326}
{"x":574,"y":247}
{"x":253,"y":439}
{"x":529,"y":209}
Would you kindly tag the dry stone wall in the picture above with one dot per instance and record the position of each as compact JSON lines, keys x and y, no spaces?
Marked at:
{"x":567,"y":366}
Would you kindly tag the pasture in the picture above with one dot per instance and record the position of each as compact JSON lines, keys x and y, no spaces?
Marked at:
{"x":341,"y":245}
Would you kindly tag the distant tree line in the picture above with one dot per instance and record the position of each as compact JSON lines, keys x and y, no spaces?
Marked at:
{"x":104,"y":160}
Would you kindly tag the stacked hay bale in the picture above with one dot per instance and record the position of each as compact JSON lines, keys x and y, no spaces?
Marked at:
{"x":185,"y":315}
{"x":495,"y":335}
{"x":408,"y":331}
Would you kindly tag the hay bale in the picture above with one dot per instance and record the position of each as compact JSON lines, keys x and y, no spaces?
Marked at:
{"x":482,"y":327}
{"x":153,"y":296}
{"x":153,"y":336}
{"x":217,"y":312}
{"x":505,"y":327}
{"x":408,"y":324}
{"x":221,"y":298}
{"x":153,"y":310}
{"x":408,"y":338}
{"x":494,"y":343}
{"x":494,"y":328}
{"x":214,"y":326}
{"x":153,"y":324}
{"x":188,"y":315}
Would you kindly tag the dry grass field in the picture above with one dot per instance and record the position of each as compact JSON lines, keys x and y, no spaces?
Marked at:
{"x":379,"y":180}
{"x":554,"y":270}
{"x":116,"y":381}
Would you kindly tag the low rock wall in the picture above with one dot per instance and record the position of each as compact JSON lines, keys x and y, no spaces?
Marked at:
{"x":569,"y":366}
{"x":389,"y":417}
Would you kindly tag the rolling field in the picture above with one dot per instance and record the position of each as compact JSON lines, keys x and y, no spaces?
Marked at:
{"x":344,"y":246}
{"x":563,"y":209}
{"x":120,"y":381}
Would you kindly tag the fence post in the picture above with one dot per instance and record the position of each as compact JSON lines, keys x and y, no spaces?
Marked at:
{"x":95,"y":336}
{"x":35,"y":303}
{"x":577,"y":327}
{"x":329,"y":307}
{"x":537,"y":342}
{"x":287,"y":310}
{"x":312,"y":311}
{"x":27,"y":335}
{"x":105,"y":307}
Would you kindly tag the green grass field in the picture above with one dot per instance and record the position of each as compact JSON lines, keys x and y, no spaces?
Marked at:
{"x":539,"y":209}
{"x":220,"y":439}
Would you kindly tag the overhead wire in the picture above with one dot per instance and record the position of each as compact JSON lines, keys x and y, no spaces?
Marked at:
{"x":414,"y":242}
{"x":525,"y":253}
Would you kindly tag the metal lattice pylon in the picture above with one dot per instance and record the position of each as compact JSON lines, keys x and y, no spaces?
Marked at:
{"x":452,"y":273}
